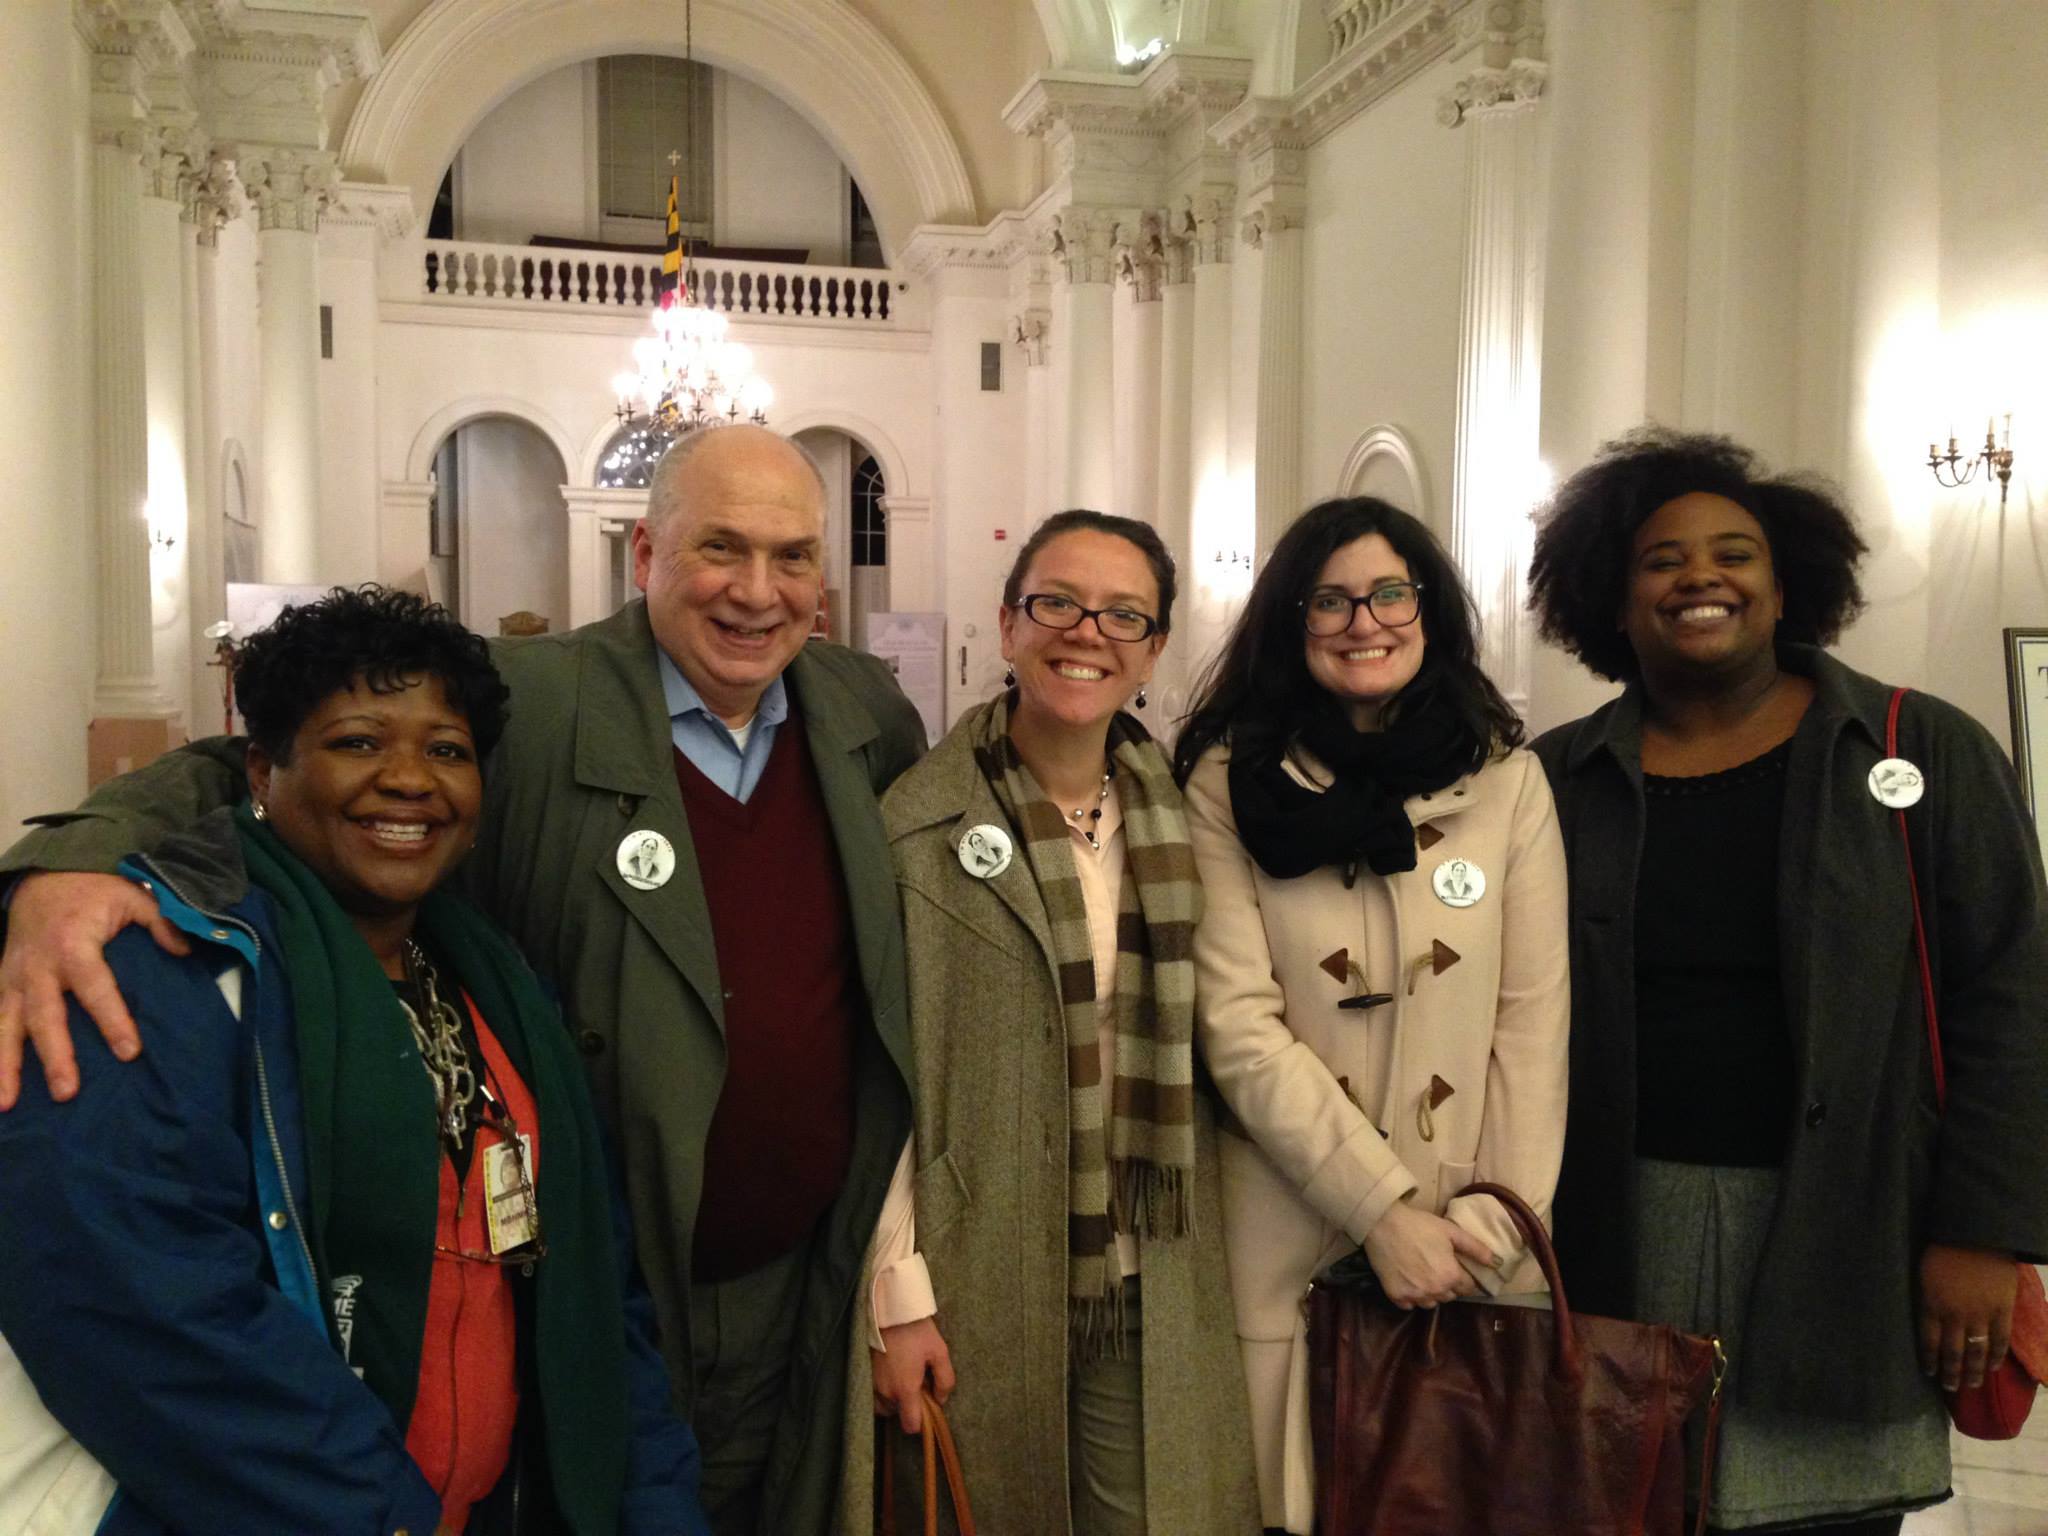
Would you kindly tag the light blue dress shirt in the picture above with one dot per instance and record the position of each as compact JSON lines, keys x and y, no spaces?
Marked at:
{"x":706,"y":741}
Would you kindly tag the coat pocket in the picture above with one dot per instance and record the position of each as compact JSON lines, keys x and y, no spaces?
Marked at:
{"x":941,"y":1197}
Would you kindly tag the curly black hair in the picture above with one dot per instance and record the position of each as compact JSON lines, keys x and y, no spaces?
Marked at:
{"x":1081,"y":519}
{"x":389,"y":639}
{"x":1258,"y":691}
{"x":1578,"y":577}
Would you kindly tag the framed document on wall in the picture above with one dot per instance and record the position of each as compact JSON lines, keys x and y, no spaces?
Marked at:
{"x":2026,"y":688}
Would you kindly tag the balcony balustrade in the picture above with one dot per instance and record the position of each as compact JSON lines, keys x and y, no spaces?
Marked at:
{"x":543,"y":277}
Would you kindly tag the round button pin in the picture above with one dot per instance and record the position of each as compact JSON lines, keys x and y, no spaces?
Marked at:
{"x":646,"y":860}
{"x":985,"y":851}
{"x":1458,"y":882}
{"x":1897,"y":784}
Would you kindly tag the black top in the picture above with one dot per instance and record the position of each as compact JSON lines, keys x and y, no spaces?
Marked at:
{"x":1714,"y":1068}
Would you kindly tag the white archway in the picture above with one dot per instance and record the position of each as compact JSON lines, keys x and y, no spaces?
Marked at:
{"x":1385,"y":448}
{"x":460,"y":58}
{"x":895,"y":468}
{"x":419,"y":459}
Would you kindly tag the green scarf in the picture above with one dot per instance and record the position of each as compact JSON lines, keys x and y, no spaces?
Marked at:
{"x":1130,"y":1170}
{"x":374,"y":1164}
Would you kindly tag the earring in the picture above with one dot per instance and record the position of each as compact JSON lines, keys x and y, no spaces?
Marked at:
{"x":1140,"y":699}
{"x":1009,"y":677}
{"x":260,"y":811}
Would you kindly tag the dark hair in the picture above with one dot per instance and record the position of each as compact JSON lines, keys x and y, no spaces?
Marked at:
{"x":1579,"y":575}
{"x":389,"y":639}
{"x":1080,"y":519}
{"x":1258,"y":691}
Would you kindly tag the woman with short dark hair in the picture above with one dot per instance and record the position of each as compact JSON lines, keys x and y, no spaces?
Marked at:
{"x":1380,"y":962}
{"x":1754,"y":1147}
{"x":338,"y":1251}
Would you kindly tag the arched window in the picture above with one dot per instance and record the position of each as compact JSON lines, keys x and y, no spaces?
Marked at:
{"x":870,"y":521}
{"x":629,"y":458}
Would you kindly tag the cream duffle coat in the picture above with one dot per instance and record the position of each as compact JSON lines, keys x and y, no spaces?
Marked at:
{"x":1342,"y":1112}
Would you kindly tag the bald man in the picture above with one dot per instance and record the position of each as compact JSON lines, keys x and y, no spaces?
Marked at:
{"x":681,"y":829}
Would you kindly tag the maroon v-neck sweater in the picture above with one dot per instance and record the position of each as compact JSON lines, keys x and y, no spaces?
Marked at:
{"x":782,"y":1135}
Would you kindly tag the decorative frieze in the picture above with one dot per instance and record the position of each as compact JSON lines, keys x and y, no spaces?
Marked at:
{"x":291,"y":188}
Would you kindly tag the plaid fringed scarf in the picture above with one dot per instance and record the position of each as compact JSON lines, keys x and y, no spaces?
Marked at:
{"x":1139,"y":1178}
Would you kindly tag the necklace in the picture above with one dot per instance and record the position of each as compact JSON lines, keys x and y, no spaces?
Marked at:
{"x":442,"y":1052}
{"x":1093,"y":814}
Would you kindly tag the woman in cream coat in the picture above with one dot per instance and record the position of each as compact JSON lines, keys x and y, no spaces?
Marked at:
{"x":1381,"y":966}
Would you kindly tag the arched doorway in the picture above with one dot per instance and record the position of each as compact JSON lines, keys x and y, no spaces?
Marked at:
{"x":856,"y":532}
{"x":499,"y":540}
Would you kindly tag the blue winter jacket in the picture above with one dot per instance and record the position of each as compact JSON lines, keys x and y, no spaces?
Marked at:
{"x":157,"y":1287}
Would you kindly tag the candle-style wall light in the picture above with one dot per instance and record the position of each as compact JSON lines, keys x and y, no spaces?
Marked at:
{"x":1952,"y":470}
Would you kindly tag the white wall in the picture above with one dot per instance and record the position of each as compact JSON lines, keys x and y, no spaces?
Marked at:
{"x":47,"y":590}
{"x":513,"y":525}
{"x":1382,"y":268}
{"x":530,"y":167}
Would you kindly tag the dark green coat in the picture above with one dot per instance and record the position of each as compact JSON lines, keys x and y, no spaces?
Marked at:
{"x":1871,"y":1173}
{"x":585,"y":759}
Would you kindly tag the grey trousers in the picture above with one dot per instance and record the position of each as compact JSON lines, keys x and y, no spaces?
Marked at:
{"x":742,"y":1334}
{"x":1106,"y":1434}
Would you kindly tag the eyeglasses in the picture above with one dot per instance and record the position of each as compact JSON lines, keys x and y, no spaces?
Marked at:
{"x":1329,"y":610}
{"x":1053,"y":611}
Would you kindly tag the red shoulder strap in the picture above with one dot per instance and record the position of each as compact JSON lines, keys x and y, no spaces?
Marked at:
{"x":1891,"y":749}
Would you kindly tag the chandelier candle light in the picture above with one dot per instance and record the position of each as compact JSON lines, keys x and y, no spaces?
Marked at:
{"x":1953,"y":471}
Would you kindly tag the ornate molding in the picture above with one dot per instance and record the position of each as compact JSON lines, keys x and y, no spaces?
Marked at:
{"x":150,"y":33}
{"x":212,"y":198}
{"x":1272,"y":154}
{"x":1140,"y":255}
{"x":1487,"y":89}
{"x":996,"y":246}
{"x":1031,"y":329}
{"x":1379,"y":46}
{"x":1206,"y":219}
{"x":372,"y":205}
{"x":290,"y":187}
{"x":1082,"y":243}
{"x":171,"y":154}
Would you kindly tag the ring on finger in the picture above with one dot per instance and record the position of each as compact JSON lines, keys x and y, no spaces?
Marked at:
{"x":1977,"y":1340}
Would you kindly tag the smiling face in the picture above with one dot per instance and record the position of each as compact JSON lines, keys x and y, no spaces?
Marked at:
{"x":733,"y":566}
{"x":378,"y":797}
{"x":1075,"y":677}
{"x":1703,"y":596}
{"x":1368,"y":662}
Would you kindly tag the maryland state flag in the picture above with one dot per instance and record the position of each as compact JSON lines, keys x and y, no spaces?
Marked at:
{"x":671,"y":289}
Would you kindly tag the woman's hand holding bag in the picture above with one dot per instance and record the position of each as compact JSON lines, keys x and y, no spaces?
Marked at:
{"x":1415,"y":1253}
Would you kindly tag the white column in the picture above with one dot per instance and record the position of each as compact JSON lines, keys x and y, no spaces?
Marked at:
{"x":210,"y":200}
{"x":161,"y":274}
{"x":44,"y":399}
{"x":126,"y":686}
{"x":593,"y":510}
{"x":1276,"y":234}
{"x":913,"y":561}
{"x":1084,"y":327}
{"x":405,"y":535}
{"x":1033,"y":332}
{"x":1214,"y":518}
{"x":1141,"y":275}
{"x":289,"y":188}
{"x":1498,"y":476}
{"x":1172,"y":481}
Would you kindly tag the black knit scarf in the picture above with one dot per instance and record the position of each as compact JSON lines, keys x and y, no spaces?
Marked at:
{"x":1289,"y":829}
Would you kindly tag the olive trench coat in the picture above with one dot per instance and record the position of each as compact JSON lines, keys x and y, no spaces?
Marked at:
{"x":991,"y":1201}
{"x":587,"y":758}
{"x":1871,"y":1172}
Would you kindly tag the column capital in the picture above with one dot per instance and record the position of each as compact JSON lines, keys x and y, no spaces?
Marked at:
{"x":1139,"y":253}
{"x":170,"y":154}
{"x":290,"y":187}
{"x":212,"y":198}
{"x":1206,"y":219}
{"x":1272,"y":154}
{"x":1031,"y":329}
{"x":1488,"y":90}
{"x":1081,"y":241}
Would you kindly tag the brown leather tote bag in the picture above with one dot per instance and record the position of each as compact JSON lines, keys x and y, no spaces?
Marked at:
{"x":1478,"y":1420}
{"x":939,"y":1451}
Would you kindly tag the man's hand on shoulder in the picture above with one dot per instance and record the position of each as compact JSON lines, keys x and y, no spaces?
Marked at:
{"x":58,"y":928}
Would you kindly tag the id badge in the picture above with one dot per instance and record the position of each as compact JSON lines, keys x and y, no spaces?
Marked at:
{"x":510,"y":1208}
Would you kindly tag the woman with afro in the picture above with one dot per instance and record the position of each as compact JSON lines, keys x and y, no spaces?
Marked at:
{"x":1756,"y":1146}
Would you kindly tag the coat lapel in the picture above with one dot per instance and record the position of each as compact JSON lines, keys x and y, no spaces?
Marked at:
{"x":623,"y":746}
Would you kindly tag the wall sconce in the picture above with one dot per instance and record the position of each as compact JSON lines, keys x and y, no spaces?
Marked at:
{"x":159,"y":539}
{"x":1233,"y":558}
{"x":1953,"y":471}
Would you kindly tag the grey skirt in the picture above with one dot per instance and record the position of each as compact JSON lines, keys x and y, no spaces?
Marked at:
{"x":1701,"y":1234}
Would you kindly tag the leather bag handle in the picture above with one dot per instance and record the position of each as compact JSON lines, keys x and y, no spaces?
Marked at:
{"x":1891,"y":749}
{"x":1566,"y":1360}
{"x":939,"y":1451}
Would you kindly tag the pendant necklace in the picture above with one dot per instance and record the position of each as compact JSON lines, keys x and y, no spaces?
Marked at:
{"x":1093,"y":814}
{"x":442,"y":1052}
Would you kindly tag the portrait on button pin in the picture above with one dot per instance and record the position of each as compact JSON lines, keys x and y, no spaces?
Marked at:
{"x":646,"y":859}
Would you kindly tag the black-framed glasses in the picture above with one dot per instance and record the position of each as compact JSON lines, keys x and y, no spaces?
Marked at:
{"x":1329,"y":610}
{"x":1055,"y":611}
